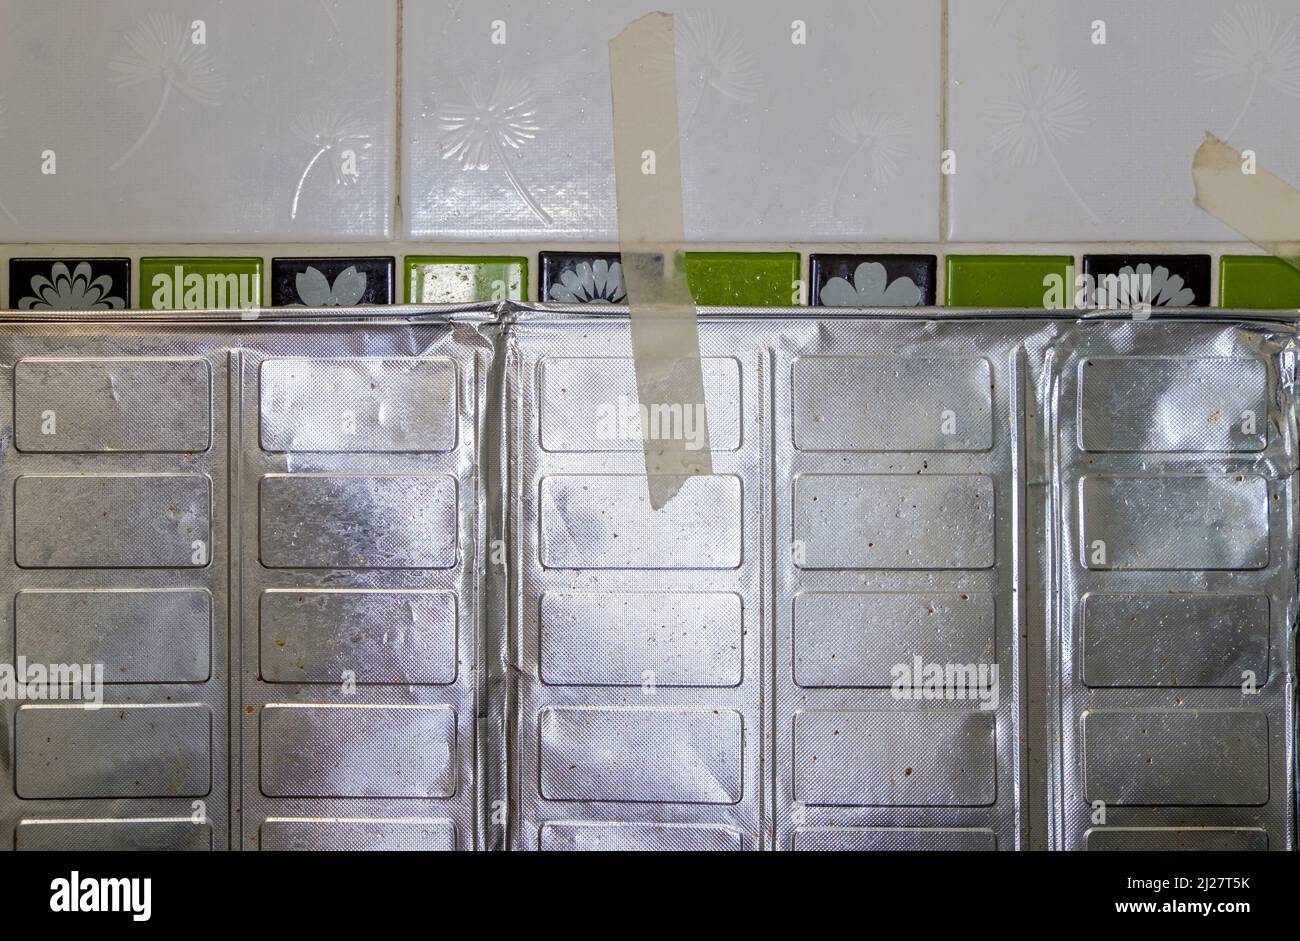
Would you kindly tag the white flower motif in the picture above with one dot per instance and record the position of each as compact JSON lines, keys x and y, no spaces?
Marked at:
{"x":315,"y":290}
{"x":3,"y":127}
{"x":162,"y":51}
{"x":596,"y":282}
{"x":871,"y":287}
{"x":78,"y":290}
{"x":485,"y":124}
{"x":879,"y":140}
{"x":715,"y":58}
{"x":1253,"y":41}
{"x":1142,"y":286}
{"x":329,"y":133}
{"x":1039,"y":115}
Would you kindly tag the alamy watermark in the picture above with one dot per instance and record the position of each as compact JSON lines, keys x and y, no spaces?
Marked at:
{"x":1126,"y":290}
{"x":950,"y":682}
{"x":626,"y":420}
{"x":73,"y":682}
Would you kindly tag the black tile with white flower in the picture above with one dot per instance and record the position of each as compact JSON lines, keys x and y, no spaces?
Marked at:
{"x":872,"y":280}
{"x":69,"y":283}
{"x":331,"y":282}
{"x":1125,"y":281}
{"x":582,"y":278}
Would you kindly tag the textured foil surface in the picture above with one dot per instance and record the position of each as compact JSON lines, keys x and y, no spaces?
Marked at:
{"x":389,"y":579}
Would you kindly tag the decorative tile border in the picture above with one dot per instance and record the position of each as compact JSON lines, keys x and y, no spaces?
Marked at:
{"x":461,"y":274}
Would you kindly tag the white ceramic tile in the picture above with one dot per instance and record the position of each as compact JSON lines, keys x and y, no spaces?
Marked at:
{"x":1060,"y":139}
{"x":836,"y":139}
{"x":160,"y":139}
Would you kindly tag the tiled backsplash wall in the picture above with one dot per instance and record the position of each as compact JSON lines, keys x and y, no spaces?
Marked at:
{"x":179,"y":152}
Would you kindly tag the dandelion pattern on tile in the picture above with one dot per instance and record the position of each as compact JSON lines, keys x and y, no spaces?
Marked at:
{"x":716,"y":60}
{"x":315,"y":290}
{"x":485,"y":125}
{"x":871,"y":287}
{"x":1040,"y":114}
{"x":597,"y":282}
{"x":879,"y":143}
{"x":1157,"y":287}
{"x":1255,"y":43}
{"x":331,"y":135}
{"x":162,"y":52}
{"x":4,"y":210}
{"x":75,"y":290}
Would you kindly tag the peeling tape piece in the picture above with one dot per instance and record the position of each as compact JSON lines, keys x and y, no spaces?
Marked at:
{"x":1261,"y":206}
{"x":648,"y":178}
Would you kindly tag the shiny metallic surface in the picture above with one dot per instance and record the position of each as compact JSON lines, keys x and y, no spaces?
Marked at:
{"x":141,"y":635}
{"x":1170,"y":581}
{"x":389,"y":579}
{"x":362,"y":549}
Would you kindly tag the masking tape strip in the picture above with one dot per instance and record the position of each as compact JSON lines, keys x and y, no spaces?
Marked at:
{"x":651,"y":234}
{"x":1261,"y":206}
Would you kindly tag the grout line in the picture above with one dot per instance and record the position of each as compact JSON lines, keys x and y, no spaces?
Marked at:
{"x":399,"y":127}
{"x":943,"y":120}
{"x":941,"y":267}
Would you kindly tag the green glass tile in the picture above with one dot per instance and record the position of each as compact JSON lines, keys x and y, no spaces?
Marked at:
{"x":464,"y":279}
{"x":200,"y":283}
{"x":1008,"y":280}
{"x":743,"y":279}
{"x":1258,"y":282}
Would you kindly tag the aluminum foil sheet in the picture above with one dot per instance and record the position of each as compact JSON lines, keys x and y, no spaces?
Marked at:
{"x":1172,"y":460}
{"x":389,"y":579}
{"x":271,"y":536}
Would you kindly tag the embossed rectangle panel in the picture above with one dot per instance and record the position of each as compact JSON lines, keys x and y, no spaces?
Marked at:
{"x":638,"y":837}
{"x":112,"y":521}
{"x":854,"y":639}
{"x":1192,"y":758}
{"x":1166,"y":403}
{"x":356,"y":834}
{"x":591,"y":404}
{"x":884,"y":521}
{"x":894,"y":759}
{"x":1174,"y":839}
{"x":72,"y":405}
{"x":895,"y":839}
{"x":621,"y":638}
{"x":358,"y":405}
{"x":118,"y":750}
{"x":394,"y":637}
{"x":892,"y":403}
{"x":125,"y":834}
{"x":311,"y":750}
{"x":1183,"y":640}
{"x":680,"y":756}
{"x":139,"y":635}
{"x":604,"y":521}
{"x":354,"y":521}
{"x":1174,"y":523}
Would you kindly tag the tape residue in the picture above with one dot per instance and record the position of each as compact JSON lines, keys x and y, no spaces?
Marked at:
{"x":1260,"y":205}
{"x":664,"y":324}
